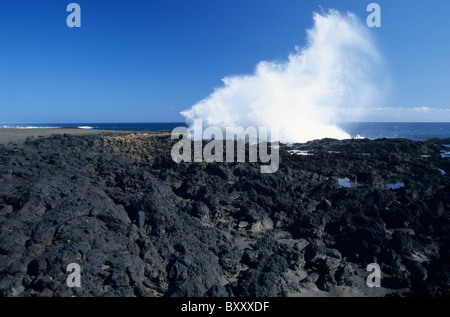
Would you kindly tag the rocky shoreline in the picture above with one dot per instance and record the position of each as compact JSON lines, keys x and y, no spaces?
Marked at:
{"x":139,"y":224}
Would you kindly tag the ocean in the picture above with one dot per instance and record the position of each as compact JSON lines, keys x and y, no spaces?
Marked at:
{"x":420,"y":131}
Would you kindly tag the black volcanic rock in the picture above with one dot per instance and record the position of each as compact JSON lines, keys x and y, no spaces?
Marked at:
{"x":139,"y":224}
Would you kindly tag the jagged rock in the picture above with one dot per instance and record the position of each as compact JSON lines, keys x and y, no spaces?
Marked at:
{"x":139,"y":224}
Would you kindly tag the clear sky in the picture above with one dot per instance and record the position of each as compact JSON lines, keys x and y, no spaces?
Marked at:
{"x":147,"y":60}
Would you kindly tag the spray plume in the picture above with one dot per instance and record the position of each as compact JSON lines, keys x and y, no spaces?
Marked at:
{"x":307,"y":94}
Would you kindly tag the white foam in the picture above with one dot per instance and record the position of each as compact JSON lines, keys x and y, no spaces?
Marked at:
{"x":445,"y":154}
{"x":35,"y":127}
{"x":346,"y":182}
{"x":338,"y":68}
{"x":29,"y":127}
{"x":85,"y":127}
{"x":300,"y":152}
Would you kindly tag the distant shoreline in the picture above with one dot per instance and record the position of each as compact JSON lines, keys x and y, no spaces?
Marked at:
{"x":19,"y":135}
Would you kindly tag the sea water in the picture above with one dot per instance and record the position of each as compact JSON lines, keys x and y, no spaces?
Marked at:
{"x":370,"y":130}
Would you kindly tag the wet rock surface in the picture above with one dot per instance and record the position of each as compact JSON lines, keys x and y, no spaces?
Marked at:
{"x":139,"y":224}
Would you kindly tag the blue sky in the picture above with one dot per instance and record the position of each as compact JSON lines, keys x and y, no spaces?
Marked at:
{"x":147,"y":60}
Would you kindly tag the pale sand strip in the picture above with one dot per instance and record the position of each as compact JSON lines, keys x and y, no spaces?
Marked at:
{"x":19,"y":135}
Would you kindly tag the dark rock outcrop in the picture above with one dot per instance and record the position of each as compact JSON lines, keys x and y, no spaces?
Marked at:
{"x":139,"y":224}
